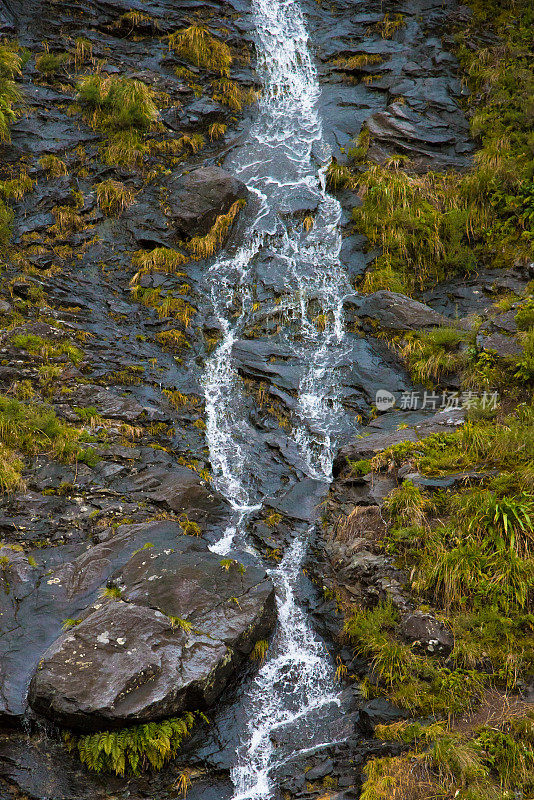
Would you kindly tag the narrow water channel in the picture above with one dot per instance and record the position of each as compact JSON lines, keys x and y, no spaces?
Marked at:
{"x":283,"y":163}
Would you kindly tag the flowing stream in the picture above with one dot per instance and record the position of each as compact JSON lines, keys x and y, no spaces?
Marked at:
{"x":283,"y":162}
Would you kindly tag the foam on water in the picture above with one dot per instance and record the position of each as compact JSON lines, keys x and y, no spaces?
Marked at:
{"x":284,"y":158}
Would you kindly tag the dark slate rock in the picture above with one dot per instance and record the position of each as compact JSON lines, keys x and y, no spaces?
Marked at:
{"x":503,"y":346}
{"x":426,"y":633}
{"x":395,"y":311}
{"x":108,"y":403}
{"x":196,"y":199}
{"x":127,"y":663}
{"x":368,"y":446}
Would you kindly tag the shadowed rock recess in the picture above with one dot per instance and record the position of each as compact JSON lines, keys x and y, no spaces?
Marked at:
{"x":266,"y":383}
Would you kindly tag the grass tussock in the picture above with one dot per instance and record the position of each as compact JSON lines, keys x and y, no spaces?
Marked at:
{"x":206,"y":246}
{"x":433,"y":354}
{"x":53,"y":166}
{"x":114,"y":103}
{"x":28,"y":429}
{"x":431,"y":226}
{"x":173,"y":340}
{"x":338,"y":176}
{"x":160,"y":259}
{"x":197,"y":46}
{"x":228,"y":93}
{"x":123,"y":109}
{"x":114,"y":197}
{"x":133,"y":750}
{"x":489,"y":763}
{"x":166,"y":305}
{"x":216,"y":130}
{"x":52,"y":64}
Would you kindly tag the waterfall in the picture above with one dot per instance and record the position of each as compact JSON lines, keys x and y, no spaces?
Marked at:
{"x":283,"y":159}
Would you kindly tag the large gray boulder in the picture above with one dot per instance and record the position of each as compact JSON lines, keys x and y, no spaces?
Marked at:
{"x":197,"y":199}
{"x":171,"y":641}
{"x":394,"y":311}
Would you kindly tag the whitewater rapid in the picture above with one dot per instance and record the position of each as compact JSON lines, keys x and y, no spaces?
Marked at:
{"x":284,"y":159}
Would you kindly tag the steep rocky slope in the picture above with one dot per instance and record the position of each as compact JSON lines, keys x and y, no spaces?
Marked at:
{"x":117,"y":170}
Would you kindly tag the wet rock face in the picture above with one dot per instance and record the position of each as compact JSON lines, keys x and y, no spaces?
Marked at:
{"x":424,"y":632}
{"x":198,"y":198}
{"x":394,"y":311}
{"x":171,"y":642}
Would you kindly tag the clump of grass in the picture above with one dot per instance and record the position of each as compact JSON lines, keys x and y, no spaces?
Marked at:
{"x":390,"y":24}
{"x":114,"y":103}
{"x":47,"y":349}
{"x":189,"y":528}
{"x":114,"y":197}
{"x":407,"y":505}
{"x":53,"y":166}
{"x":194,"y":142}
{"x":259,"y":651}
{"x":51,"y":64}
{"x":228,"y":93}
{"x":197,"y":46}
{"x":216,"y":130}
{"x":338,"y":176}
{"x":206,"y":246}
{"x":160,"y":259}
{"x":131,"y":20}
{"x":135,"y":749}
{"x":10,"y":69}
{"x":166,"y":305}
{"x":180,"y":400}
{"x":83,"y":52}
{"x":435,"y":353}
{"x":525,"y":316}
{"x":359,"y":62}
{"x":524,"y":369}
{"x":28,"y":429}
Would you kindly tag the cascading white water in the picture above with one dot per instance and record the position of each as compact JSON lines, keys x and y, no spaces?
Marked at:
{"x":285,"y":158}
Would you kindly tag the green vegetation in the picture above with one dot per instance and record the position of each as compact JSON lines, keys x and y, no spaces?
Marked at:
{"x":469,"y":553}
{"x":430,"y":355}
{"x":160,"y":259}
{"x":166,"y":305}
{"x":10,"y":69}
{"x":51,"y":64}
{"x":135,"y":749}
{"x":205,"y":246}
{"x":259,"y":651}
{"x":489,"y":762}
{"x":228,"y":93}
{"x":53,"y":166}
{"x":197,"y":46}
{"x":431,"y":226}
{"x":123,"y":110}
{"x":114,"y":197}
{"x":46,"y":348}
{"x":26,"y":430}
